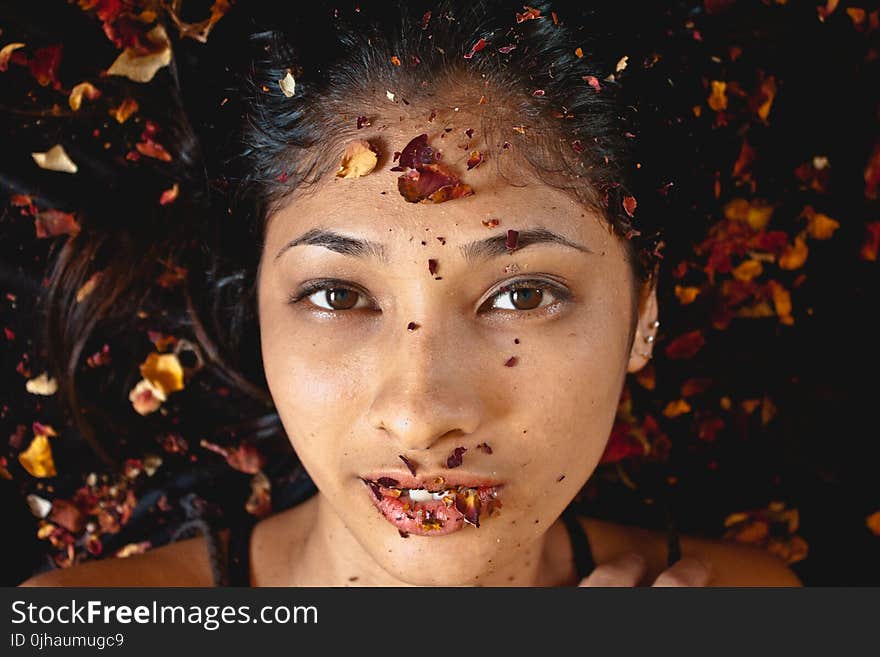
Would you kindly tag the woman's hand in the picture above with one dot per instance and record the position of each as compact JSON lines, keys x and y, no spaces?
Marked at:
{"x":628,"y":570}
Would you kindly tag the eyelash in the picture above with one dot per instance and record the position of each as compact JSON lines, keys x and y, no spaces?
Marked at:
{"x":561,"y":294}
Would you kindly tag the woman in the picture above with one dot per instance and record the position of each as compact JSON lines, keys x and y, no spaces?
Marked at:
{"x":452,"y":277}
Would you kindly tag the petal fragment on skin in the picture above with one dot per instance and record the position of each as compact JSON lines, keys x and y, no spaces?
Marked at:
{"x":55,"y":159}
{"x":358,"y":159}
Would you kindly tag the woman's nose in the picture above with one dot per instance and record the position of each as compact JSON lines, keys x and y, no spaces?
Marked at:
{"x":424,"y":398}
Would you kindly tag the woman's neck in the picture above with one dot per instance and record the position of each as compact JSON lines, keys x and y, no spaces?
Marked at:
{"x":330,"y":555}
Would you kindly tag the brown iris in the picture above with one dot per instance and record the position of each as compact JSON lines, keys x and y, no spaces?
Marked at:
{"x":340,"y":298}
{"x":527,"y":298}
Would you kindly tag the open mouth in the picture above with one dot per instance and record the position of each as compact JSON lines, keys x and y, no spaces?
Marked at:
{"x":438,"y":509}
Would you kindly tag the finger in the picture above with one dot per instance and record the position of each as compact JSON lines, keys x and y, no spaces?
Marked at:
{"x":687,"y":571}
{"x":625,"y":570}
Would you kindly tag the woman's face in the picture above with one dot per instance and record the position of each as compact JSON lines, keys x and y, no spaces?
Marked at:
{"x":390,"y":360}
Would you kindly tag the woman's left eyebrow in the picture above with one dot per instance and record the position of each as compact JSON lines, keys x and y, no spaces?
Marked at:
{"x":483,"y":249}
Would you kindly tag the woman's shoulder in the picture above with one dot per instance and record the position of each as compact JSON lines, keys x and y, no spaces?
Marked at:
{"x":183,"y":563}
{"x":732,"y":564}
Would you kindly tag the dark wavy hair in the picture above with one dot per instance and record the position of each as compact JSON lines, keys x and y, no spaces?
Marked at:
{"x":582,"y":78}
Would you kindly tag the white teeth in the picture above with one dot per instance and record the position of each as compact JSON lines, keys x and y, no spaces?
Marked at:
{"x":422,"y":495}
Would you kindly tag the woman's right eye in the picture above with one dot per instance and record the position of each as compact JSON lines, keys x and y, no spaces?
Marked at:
{"x":331,"y":296}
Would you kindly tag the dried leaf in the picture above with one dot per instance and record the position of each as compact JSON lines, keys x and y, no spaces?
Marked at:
{"x":55,"y":159}
{"x":358,"y":159}
{"x":140,"y":67}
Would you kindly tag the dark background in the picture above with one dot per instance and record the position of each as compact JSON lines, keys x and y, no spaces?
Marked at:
{"x":817,"y":452}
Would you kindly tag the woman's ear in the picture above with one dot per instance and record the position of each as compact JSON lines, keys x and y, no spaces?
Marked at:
{"x":646,"y":330}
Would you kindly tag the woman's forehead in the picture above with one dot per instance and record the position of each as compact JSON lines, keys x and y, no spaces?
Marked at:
{"x":372,"y":209}
{"x":507,"y":194}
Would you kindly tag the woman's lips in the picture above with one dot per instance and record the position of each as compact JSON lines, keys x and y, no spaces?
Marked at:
{"x":432,"y":506}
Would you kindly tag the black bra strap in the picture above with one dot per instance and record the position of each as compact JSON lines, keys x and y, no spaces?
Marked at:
{"x":238,"y":563}
{"x":580,"y":544}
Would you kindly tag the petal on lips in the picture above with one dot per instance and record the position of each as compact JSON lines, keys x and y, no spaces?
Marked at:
{"x":467,"y":502}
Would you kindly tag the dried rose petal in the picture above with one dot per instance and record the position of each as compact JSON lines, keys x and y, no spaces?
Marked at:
{"x":629,"y":204}
{"x":467,"y":502}
{"x":133,"y":64}
{"x":455,"y":458}
{"x":50,"y":223}
{"x":363,"y":121}
{"x":530,"y":13}
{"x":44,"y":66}
{"x":126,"y":108}
{"x":6,"y":53}
{"x":86,"y":89}
{"x":510,"y":362}
{"x":412,"y":326}
{"x":416,"y":153}
{"x":478,"y":46}
{"x":485,"y":448}
{"x":388,"y":482}
{"x":475,"y":160}
{"x":491,"y":223}
{"x":169,"y":195}
{"x":577,"y":146}
{"x":432,"y":266}
{"x":288,"y":84}
{"x":409,"y":464}
{"x":402,"y":533}
{"x":512,"y":240}
{"x":55,"y":159}
{"x":358,"y":159}
{"x":506,"y":49}
{"x":432,"y":182}
{"x":593,"y":81}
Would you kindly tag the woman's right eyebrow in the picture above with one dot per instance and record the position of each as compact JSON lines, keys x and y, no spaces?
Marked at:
{"x":483,"y":249}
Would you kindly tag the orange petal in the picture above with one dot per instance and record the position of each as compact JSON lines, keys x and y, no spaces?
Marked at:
{"x":163,"y":371}
{"x":86,"y":89}
{"x":37,"y":458}
{"x":358,"y":159}
{"x":794,"y":256}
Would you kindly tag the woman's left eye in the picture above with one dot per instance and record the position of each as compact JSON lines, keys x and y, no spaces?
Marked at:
{"x":530,"y":295}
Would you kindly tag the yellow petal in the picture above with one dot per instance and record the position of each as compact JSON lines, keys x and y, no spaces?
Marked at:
{"x":86,"y":89}
{"x":163,"y":371}
{"x":747,"y":270}
{"x":686,"y":295}
{"x":794,"y":256}
{"x":782,"y":302}
{"x":42,"y":385}
{"x":718,"y":97}
{"x":676,"y":408}
{"x":142,"y":68}
{"x":37,"y":458}
{"x":358,"y":159}
{"x":126,"y":108}
{"x":55,"y":159}
{"x":6,"y":53}
{"x":758,"y":216}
